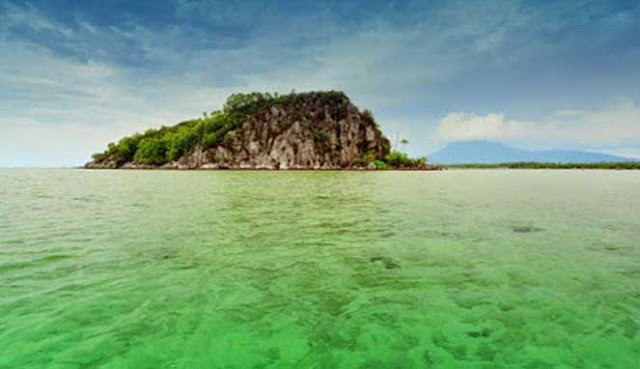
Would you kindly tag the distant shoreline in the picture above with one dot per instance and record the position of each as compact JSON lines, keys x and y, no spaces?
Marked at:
{"x":630,"y":165}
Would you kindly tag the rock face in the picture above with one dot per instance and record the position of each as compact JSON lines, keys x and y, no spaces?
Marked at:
{"x":278,"y":138}
{"x":310,"y":131}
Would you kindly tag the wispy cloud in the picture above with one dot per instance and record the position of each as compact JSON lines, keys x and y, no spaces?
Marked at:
{"x":29,"y":17}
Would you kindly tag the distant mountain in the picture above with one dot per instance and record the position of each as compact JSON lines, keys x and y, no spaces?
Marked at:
{"x":484,"y":152}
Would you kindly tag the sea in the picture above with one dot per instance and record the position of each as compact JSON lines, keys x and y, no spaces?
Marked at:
{"x":319,"y":269}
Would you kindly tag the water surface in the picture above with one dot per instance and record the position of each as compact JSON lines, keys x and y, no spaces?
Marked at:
{"x":456,"y":269}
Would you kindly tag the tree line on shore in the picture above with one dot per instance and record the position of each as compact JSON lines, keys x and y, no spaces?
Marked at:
{"x":540,"y":165}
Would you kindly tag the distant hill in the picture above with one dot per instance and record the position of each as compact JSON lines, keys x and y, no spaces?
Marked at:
{"x":485,"y":152}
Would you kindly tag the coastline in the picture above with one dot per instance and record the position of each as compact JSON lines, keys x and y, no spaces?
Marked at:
{"x":264,"y":169}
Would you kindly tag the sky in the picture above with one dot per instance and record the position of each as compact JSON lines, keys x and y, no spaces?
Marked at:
{"x":75,"y":75}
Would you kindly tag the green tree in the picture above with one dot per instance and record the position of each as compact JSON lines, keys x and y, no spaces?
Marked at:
{"x":151,"y":151}
{"x":404,"y":142}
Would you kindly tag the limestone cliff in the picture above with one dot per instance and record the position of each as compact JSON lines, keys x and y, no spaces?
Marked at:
{"x":315,"y":130}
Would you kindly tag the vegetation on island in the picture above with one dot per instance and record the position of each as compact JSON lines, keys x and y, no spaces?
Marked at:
{"x":394,"y":159}
{"x":170,"y":143}
{"x":539,"y":165}
{"x":160,"y":146}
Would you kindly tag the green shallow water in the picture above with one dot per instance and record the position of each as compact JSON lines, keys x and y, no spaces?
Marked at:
{"x":457,"y":269}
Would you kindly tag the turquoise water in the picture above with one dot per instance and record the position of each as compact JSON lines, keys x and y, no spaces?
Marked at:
{"x":455,"y":269}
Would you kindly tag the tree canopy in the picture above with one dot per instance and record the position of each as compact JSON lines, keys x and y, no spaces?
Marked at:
{"x":160,"y":146}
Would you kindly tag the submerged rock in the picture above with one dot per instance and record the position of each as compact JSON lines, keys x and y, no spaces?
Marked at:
{"x":387,"y":262}
{"x":526,"y":229}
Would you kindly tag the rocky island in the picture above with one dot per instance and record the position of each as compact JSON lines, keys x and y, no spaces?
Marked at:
{"x":313,"y":130}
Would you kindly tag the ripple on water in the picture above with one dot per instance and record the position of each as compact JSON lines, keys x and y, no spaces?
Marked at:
{"x":138,"y":269}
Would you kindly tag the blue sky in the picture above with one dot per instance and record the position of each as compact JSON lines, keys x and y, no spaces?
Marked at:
{"x":75,"y":75}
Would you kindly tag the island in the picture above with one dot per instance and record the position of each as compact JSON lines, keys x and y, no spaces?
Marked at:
{"x":312,"y":130}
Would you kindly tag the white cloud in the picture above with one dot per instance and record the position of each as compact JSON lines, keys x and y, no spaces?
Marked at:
{"x":615,"y":124}
{"x":58,"y":111}
{"x":458,"y":126}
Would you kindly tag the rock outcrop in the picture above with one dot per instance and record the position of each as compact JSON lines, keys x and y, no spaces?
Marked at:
{"x":321,"y":136}
{"x":315,"y":130}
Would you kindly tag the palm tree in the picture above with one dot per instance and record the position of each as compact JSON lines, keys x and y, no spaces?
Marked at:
{"x":404,"y":142}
